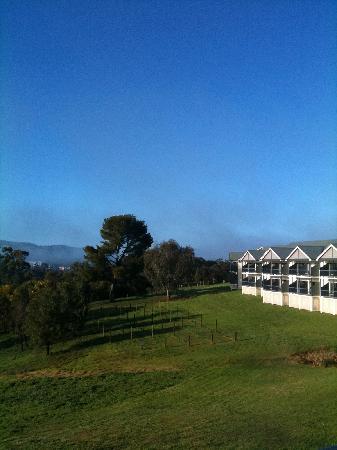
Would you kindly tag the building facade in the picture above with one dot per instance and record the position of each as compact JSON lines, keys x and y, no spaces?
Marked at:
{"x":298,"y":276}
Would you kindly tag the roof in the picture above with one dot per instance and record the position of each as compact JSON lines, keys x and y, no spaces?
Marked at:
{"x":323,"y":243}
{"x":257,"y":253}
{"x":235,"y":256}
{"x":282,"y":252}
{"x":312,"y":251}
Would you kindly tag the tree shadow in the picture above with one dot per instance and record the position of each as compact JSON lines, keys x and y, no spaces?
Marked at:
{"x":11,"y":341}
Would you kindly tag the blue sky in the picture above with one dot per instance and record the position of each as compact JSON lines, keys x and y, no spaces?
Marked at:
{"x":213,"y":121}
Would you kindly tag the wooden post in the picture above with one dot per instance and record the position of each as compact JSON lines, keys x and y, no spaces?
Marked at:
{"x":152,"y":331}
{"x":212,"y":338}
{"x":189,"y":340}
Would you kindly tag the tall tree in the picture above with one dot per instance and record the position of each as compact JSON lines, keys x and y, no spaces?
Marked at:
{"x":125,"y":239}
{"x":167,"y":265}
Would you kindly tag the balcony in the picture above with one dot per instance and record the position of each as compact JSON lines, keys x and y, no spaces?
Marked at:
{"x":297,"y":271}
{"x":302,"y":291}
{"x":270,"y":287}
{"x":328,"y":272}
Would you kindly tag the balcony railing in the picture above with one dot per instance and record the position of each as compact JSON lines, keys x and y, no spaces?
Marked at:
{"x":296,"y":271}
{"x":328,"y":272}
{"x":267,"y":287}
{"x":303,"y":291}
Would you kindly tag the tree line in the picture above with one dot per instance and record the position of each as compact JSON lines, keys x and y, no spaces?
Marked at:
{"x":45,"y":306}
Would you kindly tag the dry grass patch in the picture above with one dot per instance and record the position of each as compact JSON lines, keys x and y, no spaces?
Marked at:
{"x":318,"y":358}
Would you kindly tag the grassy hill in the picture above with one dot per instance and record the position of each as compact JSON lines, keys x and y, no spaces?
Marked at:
{"x":177,"y":389}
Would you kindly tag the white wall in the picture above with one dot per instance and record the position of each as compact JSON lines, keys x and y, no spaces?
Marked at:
{"x":329,"y":305}
{"x":250,"y":290}
{"x":301,"y":301}
{"x":275,"y":298}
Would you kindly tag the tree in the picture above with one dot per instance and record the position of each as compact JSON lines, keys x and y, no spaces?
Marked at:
{"x":56,"y":311}
{"x":167,"y":265}
{"x":125,"y":239}
{"x":6,"y":291}
{"x":13,"y":266}
{"x":20,"y":301}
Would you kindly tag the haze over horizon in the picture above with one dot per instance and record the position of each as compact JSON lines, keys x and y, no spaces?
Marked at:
{"x":215,"y":122}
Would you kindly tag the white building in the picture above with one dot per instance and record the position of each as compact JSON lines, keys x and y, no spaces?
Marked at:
{"x":299,"y":276}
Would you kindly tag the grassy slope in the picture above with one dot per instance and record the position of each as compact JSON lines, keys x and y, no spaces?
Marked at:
{"x":91,"y":393}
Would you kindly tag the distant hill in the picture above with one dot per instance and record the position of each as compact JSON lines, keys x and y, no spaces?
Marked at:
{"x":56,"y":255}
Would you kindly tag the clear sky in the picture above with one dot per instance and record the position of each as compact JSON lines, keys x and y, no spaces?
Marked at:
{"x":213,"y":121}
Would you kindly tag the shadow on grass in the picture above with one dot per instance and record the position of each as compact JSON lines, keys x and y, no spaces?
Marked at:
{"x":124,"y":334}
{"x":11,"y":341}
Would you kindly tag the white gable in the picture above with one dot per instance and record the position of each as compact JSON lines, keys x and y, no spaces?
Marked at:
{"x":298,"y":254}
{"x":270,"y":255}
{"x":329,"y":253}
{"x":248,"y":257}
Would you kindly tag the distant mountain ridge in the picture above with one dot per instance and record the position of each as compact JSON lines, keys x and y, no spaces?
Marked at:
{"x":56,"y":255}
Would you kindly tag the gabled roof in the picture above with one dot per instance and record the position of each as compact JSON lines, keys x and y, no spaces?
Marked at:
{"x":329,"y":252}
{"x":276,"y":253}
{"x":251,"y":255}
{"x":309,"y":252}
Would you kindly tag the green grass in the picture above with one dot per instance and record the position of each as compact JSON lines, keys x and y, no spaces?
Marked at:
{"x":159,"y":392}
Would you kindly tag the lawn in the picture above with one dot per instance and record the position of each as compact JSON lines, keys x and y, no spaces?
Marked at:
{"x":190,"y":385}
